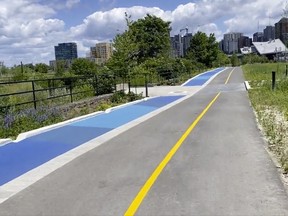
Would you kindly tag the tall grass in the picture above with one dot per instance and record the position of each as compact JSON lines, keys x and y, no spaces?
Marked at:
{"x":271,"y":106}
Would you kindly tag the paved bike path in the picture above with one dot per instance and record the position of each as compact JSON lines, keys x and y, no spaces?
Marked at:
{"x":17,"y":158}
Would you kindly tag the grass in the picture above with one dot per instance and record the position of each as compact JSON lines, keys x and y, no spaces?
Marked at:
{"x":18,"y":121}
{"x":271,"y":106}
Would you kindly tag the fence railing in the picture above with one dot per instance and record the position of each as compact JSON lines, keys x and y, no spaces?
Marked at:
{"x":32,"y":92}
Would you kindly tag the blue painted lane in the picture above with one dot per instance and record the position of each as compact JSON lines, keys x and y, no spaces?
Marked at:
{"x":202,"y":78}
{"x":116,"y":117}
{"x":19,"y":158}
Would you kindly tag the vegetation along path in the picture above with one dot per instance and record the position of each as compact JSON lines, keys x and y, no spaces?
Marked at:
{"x":202,"y":156}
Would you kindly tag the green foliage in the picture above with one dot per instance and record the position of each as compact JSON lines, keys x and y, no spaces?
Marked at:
{"x":221,"y":60}
{"x":203,"y":49}
{"x":122,"y":59}
{"x":14,"y":123}
{"x":18,"y":74}
{"x":117,"y":97}
{"x":61,"y":67}
{"x":146,"y":39}
{"x":105,"y":83}
{"x":41,"y":68}
{"x":271,"y":106}
{"x":151,"y":36}
{"x":234,"y":60}
{"x":120,"y":97}
{"x":3,"y":70}
{"x":253,"y":58}
{"x":83,"y":66}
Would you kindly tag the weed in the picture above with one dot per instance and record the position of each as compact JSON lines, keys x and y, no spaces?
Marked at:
{"x":271,"y":106}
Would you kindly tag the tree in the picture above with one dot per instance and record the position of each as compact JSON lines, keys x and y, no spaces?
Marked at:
{"x":123,"y":58}
{"x":203,"y":49}
{"x":60,"y":67}
{"x":234,"y":60}
{"x":144,"y":40}
{"x":151,"y":36}
{"x":82,"y":66}
{"x":41,"y":68}
{"x":221,"y":60}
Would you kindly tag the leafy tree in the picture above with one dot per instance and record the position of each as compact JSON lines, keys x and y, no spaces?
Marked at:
{"x":18,"y":74}
{"x":82,"y":66}
{"x":123,"y":58}
{"x":41,"y":68}
{"x":151,"y":36}
{"x":145,"y":39}
{"x":3,"y":70}
{"x":30,"y":66}
{"x":189,"y":66}
{"x":203,"y":49}
{"x":234,"y":60}
{"x":221,"y":60}
{"x":61,"y":67}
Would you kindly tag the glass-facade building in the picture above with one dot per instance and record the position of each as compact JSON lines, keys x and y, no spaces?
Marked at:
{"x":66,"y":51}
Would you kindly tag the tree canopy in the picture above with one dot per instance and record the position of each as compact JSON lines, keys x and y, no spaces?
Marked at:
{"x":82,"y":66}
{"x":151,"y":36}
{"x":144,"y":39}
{"x":203,"y":49}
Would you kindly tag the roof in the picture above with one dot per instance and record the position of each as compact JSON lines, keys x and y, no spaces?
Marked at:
{"x":270,"y":47}
{"x":283,"y":20}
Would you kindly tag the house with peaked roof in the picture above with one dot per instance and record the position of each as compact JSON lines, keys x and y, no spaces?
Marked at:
{"x":271,"y":49}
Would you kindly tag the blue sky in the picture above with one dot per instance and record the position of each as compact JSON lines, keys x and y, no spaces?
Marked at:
{"x":75,"y":15}
{"x":29,"y":29}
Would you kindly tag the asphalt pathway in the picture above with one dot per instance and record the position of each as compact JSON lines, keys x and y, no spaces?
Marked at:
{"x":216,"y":165}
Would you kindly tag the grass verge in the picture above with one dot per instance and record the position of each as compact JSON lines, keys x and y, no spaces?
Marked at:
{"x":15,"y":122}
{"x":271,"y":107}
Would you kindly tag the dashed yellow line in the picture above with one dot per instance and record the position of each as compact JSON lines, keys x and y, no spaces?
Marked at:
{"x":151,"y":180}
{"x":227,"y":80}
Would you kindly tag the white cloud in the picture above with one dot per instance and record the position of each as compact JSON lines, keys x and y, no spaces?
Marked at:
{"x":29,"y":30}
{"x":71,"y":3}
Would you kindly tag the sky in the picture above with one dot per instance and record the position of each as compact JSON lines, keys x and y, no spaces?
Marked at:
{"x":29,"y":29}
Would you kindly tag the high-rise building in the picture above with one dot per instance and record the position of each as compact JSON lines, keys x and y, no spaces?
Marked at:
{"x":186,"y":40}
{"x":244,"y":41}
{"x":176,"y":46}
{"x":281,"y":30}
{"x":231,"y":42}
{"x":180,"y":44}
{"x":269,"y":33}
{"x":66,"y":51}
{"x":258,"y":37}
{"x":101,"y":53}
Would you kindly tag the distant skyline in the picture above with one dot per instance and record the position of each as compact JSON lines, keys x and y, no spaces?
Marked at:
{"x":29,"y":29}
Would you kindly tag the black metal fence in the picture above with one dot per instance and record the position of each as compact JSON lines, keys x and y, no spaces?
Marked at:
{"x":33,"y":92}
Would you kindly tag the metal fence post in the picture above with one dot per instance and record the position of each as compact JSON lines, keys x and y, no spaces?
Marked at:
{"x":146,"y":85}
{"x":129,"y":84}
{"x":96,"y":84}
{"x":34,"y":95}
{"x":71,"y":89}
{"x":273,"y":80}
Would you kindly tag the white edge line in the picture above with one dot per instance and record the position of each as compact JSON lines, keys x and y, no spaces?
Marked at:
{"x":224,"y":68}
{"x":31,"y":133}
{"x":20,"y":183}
{"x":24,"y":181}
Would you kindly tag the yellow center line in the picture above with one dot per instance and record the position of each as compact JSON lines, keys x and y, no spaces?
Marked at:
{"x":229,"y":76}
{"x":151,"y":180}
